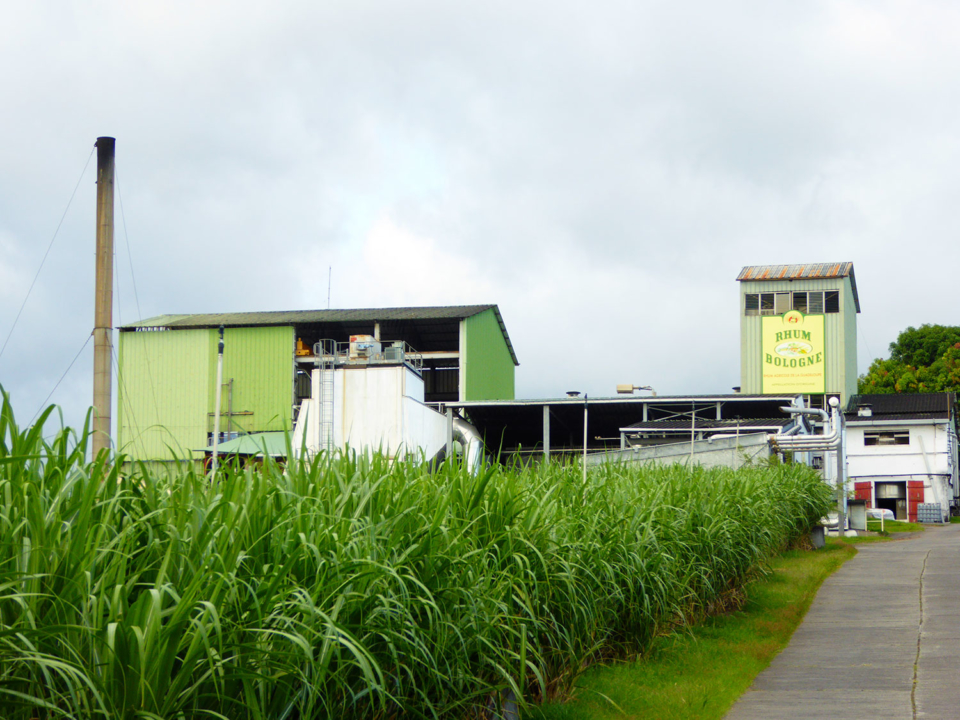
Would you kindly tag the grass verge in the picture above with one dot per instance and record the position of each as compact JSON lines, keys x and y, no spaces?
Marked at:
{"x":700,"y":672}
{"x":894,"y":526}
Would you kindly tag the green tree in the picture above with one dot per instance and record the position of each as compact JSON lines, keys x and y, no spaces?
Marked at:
{"x":924,"y":359}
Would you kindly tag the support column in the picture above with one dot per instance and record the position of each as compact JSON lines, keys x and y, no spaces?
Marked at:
{"x":316,"y":413}
{"x":449,"y":433}
{"x":546,"y":432}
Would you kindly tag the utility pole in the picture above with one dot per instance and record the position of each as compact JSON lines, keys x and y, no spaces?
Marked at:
{"x":103,"y":312}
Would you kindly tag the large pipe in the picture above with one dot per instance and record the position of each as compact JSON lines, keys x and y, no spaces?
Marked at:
{"x":834,"y":441}
{"x":472,"y":444}
{"x":815,"y":441}
{"x":827,"y":441}
{"x":807,"y":411}
{"x":103,"y":310}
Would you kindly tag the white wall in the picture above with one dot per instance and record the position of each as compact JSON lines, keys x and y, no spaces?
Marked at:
{"x":884,"y":460}
{"x":368,"y":411}
{"x":424,"y":429}
{"x":930,"y":456}
{"x":377,"y":408}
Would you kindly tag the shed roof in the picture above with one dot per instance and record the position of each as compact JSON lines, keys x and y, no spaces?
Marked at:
{"x":298,"y":317}
{"x":274,"y":443}
{"x":809,"y":271}
{"x":906,"y":406}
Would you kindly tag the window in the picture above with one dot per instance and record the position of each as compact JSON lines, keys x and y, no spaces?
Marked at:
{"x":809,"y":303}
{"x":800,"y":302}
{"x":831,"y":301}
{"x":766,"y":304}
{"x":781,"y":303}
{"x":887,"y":438}
{"x":815,"y":303}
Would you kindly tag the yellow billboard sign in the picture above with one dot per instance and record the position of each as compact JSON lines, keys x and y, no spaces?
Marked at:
{"x":793,"y":352}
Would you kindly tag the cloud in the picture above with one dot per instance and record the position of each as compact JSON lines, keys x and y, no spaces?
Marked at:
{"x":601,"y":172}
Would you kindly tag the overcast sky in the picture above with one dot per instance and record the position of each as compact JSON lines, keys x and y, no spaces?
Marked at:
{"x":602,"y":171}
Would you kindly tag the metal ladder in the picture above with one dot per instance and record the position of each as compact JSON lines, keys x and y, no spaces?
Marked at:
{"x":326,"y":353}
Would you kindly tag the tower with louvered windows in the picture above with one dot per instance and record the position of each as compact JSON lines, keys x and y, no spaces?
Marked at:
{"x":798,"y":331}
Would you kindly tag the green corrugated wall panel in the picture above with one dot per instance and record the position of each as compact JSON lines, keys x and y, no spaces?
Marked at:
{"x":840,"y":331}
{"x":260,"y":361}
{"x":487,"y":366}
{"x":751,"y":374}
{"x":849,"y":342}
{"x":163,"y":385}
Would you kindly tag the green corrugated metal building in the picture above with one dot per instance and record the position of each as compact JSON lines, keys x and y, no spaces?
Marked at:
{"x":167,"y":377}
{"x":798,"y":330}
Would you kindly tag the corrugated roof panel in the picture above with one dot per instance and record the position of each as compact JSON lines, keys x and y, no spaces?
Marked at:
{"x":920,"y":406}
{"x":703,"y":424}
{"x":756,"y":273}
{"x":275,"y":444}
{"x":282,"y":317}
{"x":297,"y":317}
{"x":626,"y":400}
{"x":896,"y":417}
{"x":795,"y":272}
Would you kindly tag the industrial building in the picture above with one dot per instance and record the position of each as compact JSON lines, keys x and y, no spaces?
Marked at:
{"x":410,"y":379}
{"x":798,"y":344}
{"x":619,"y":428}
{"x":902,"y":453}
{"x":798,"y":331}
{"x":167,"y":368}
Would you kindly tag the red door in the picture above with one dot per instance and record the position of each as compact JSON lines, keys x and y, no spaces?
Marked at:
{"x":864,"y":491}
{"x":914,"y":498}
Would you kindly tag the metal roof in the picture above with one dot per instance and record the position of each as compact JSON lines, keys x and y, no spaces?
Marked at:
{"x":518,"y":425}
{"x":907,"y":406}
{"x":809,"y":271}
{"x":292,"y":317}
{"x":853,"y":418}
{"x":622,"y":399}
{"x":275,"y":444}
{"x":303,"y":317}
{"x":705,"y":424}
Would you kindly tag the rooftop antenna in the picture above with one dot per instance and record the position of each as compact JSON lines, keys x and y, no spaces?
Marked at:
{"x":103,"y":311}
{"x":329,"y":280}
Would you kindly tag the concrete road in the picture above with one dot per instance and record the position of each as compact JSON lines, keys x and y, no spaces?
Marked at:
{"x":881,"y":640}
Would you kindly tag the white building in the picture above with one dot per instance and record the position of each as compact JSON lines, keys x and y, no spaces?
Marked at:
{"x":902,"y":452}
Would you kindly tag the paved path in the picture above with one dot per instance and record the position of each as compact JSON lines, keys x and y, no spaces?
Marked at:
{"x":881,"y":640}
